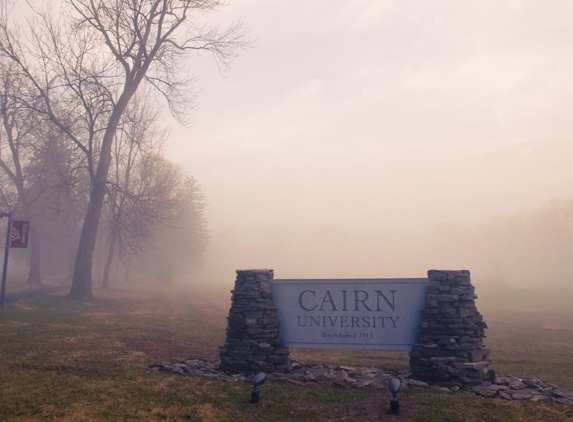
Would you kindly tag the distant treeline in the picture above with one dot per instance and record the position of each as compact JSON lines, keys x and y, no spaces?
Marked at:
{"x":522,"y":250}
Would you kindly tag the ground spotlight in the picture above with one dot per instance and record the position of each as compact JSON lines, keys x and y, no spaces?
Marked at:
{"x":394,"y":387}
{"x":259,"y":379}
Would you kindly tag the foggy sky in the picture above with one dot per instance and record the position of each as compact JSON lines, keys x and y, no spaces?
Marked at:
{"x":370,"y":116}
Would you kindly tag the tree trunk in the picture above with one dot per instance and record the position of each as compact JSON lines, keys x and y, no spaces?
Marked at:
{"x":127,"y":278}
{"x":34,"y":273}
{"x":108,"y":261}
{"x":82,"y":279}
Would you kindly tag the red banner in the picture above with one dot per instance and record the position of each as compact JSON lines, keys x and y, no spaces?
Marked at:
{"x":19,"y":234}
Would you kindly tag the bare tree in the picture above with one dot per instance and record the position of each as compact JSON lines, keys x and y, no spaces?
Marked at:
{"x":39,"y":175}
{"x":56,"y":171}
{"x":142,"y":184}
{"x":22,"y":159}
{"x":87,"y":64}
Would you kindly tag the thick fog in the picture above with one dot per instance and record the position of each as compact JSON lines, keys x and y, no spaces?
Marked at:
{"x":370,"y":138}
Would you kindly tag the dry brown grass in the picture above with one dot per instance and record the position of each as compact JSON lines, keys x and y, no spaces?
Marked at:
{"x":72,"y":362}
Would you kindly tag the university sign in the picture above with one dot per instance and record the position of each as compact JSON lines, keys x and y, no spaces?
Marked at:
{"x":353,"y":313}
{"x":434,"y":318}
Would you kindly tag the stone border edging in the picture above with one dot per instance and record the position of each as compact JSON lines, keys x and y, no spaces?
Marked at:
{"x":508,"y":388}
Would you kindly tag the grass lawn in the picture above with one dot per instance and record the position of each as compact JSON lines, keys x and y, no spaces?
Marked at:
{"x":87,"y":362}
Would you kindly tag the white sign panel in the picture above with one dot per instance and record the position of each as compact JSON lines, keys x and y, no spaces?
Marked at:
{"x":354,"y":313}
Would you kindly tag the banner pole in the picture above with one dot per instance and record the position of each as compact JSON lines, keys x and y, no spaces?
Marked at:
{"x":6,"y":250}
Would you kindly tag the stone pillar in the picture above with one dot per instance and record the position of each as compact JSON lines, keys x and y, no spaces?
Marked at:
{"x":253,"y":340}
{"x":449,"y":350}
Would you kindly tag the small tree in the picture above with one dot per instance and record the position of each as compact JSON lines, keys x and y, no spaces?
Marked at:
{"x":179,"y":247}
{"x":25,"y":156}
{"x":142,"y":185}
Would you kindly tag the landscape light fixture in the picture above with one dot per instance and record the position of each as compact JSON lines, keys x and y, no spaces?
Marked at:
{"x":259,"y":379}
{"x":394,"y":387}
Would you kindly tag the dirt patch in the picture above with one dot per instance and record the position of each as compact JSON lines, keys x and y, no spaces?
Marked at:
{"x":103,"y":318}
{"x":15,"y":324}
{"x":89,"y":369}
{"x":554,"y":327}
{"x":377,"y":407}
{"x":157,"y":344}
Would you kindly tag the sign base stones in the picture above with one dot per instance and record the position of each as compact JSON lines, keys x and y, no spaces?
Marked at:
{"x":253,"y":340}
{"x":449,"y":350}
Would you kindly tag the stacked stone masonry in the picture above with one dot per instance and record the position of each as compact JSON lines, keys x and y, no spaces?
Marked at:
{"x":449,"y":351}
{"x":253,"y":341}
